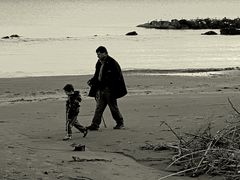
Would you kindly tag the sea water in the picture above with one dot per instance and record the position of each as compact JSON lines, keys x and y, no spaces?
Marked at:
{"x":59,"y":37}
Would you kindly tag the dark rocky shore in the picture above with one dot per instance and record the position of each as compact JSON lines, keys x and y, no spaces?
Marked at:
{"x":226,"y":26}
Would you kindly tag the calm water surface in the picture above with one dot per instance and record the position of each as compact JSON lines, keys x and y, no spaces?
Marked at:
{"x":59,"y":37}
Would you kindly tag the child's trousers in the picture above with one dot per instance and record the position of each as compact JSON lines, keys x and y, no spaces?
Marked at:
{"x":73,"y":122}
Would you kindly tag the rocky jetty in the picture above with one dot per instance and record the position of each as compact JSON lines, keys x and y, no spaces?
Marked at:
{"x":230,"y":31}
{"x":206,"y":23}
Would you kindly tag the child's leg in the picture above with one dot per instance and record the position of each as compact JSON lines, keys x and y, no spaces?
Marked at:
{"x":74,"y":122}
{"x":69,"y":128}
{"x":70,"y":124}
{"x":79,"y":126}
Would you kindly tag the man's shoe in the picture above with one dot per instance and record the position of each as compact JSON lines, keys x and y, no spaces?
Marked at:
{"x":67,"y":137}
{"x":119,"y":126}
{"x":92,"y":128}
{"x":85,"y":132}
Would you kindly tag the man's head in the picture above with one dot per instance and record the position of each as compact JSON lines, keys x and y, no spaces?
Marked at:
{"x":101,"y":52}
{"x":68,"y":88}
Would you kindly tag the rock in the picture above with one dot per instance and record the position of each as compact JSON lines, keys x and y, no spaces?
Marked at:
{"x":209,"y":33}
{"x":229,"y":31}
{"x":184,"y":24}
{"x":155,"y":24}
{"x":14,"y":36}
{"x":175,"y":24}
{"x":165,"y":25}
{"x":133,"y":33}
{"x":214,"y":24}
{"x":236,"y":22}
{"x":5,"y":37}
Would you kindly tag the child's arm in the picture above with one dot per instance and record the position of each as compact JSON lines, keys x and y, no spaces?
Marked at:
{"x":79,"y":98}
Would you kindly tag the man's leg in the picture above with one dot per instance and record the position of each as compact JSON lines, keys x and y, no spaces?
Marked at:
{"x":112,"y":103}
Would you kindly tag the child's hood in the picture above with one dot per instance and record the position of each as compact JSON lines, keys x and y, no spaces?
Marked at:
{"x":76,"y":93}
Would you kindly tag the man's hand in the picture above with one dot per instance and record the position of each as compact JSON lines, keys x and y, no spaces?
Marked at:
{"x":89,"y":82}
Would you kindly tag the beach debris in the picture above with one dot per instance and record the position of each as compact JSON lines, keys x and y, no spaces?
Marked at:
{"x":132,"y":33}
{"x":78,"y":147}
{"x":78,"y":159}
{"x":159,"y":146}
{"x":235,"y":109}
{"x":205,"y":152}
{"x":80,"y":178}
{"x":59,"y":176}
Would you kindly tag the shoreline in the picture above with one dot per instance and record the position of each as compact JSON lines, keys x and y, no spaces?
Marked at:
{"x":146,"y":71}
{"x":47,"y":88}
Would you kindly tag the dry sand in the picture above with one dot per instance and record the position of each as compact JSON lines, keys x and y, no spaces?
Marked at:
{"x":32,"y":125}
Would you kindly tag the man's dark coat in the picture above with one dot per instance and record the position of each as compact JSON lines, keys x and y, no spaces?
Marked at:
{"x":111,"y":77}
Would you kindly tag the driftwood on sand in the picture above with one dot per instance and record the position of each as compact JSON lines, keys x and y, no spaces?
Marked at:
{"x":206,"y":153}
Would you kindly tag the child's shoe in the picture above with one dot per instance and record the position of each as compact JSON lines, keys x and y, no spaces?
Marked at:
{"x":85,"y":132}
{"x":67,"y":137}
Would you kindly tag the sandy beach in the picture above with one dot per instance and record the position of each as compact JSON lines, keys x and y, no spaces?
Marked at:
{"x":32,"y":125}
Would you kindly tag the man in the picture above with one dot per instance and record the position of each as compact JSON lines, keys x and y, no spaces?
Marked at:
{"x":107,"y":85}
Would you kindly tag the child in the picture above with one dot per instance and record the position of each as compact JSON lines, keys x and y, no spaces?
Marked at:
{"x":72,"y":110}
